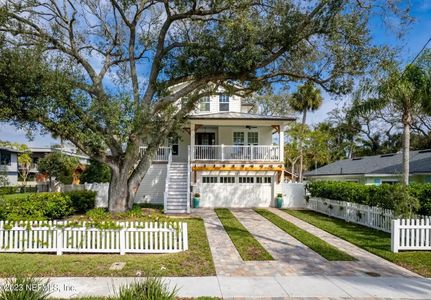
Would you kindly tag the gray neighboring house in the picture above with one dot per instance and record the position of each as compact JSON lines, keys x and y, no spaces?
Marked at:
{"x":9,"y":162}
{"x":377,"y":169}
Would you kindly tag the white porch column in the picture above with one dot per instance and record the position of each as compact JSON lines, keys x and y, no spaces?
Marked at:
{"x":281,"y":143}
{"x":192,"y":141}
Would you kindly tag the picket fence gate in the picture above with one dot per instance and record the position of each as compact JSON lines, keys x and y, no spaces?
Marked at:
{"x":411,"y":234}
{"x":64,"y":236}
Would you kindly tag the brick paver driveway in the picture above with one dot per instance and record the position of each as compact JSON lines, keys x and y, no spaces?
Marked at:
{"x":291,"y":256}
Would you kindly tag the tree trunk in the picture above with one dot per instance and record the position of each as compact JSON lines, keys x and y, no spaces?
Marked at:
{"x":293,"y":173}
{"x":118,"y":191}
{"x":301,"y":158}
{"x":406,"y":146}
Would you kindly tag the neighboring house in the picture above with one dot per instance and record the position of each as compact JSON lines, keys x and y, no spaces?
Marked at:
{"x":9,"y":161}
{"x":9,"y":164}
{"x":224,"y":153}
{"x":377,"y":169}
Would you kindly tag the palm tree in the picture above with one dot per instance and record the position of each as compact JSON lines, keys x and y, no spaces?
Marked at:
{"x":307,"y":98}
{"x":407,"y":92}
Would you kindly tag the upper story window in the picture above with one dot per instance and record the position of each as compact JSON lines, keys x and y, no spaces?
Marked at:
{"x":5,"y":157}
{"x":204,"y":104}
{"x":224,"y":102}
{"x":238,"y":138}
{"x":253,"y":138}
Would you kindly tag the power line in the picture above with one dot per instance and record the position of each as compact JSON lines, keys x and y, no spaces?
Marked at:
{"x":422,"y":50}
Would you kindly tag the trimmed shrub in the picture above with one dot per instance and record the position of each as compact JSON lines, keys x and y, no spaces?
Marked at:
{"x":384,"y":196}
{"x":40,"y":206}
{"x":7,"y":190}
{"x":82,"y":201}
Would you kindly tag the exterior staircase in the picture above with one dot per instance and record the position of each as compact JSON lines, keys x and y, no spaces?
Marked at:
{"x":177,"y":200}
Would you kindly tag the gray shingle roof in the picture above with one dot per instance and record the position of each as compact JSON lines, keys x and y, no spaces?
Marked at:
{"x":420,"y":162}
{"x":239,"y":116}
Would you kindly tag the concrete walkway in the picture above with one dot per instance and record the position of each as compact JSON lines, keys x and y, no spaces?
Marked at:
{"x":291,"y":257}
{"x":366,"y":260}
{"x":282,"y":287}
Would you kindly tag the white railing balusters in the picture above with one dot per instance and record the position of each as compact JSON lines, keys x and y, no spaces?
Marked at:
{"x":131,"y":238}
{"x":235,"y":152}
{"x":162,"y":153}
{"x":167,"y":180}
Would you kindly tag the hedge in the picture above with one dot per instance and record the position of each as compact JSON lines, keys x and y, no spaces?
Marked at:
{"x":7,"y":190}
{"x":372,"y":195}
{"x":46,"y":206}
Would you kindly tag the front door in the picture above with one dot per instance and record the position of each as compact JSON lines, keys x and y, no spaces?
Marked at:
{"x":205,"y":138}
{"x":203,"y":149}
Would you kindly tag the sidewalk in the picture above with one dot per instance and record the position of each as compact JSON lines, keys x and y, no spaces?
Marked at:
{"x":281,"y":287}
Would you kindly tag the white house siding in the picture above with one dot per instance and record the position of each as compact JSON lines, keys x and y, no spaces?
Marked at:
{"x":12,"y":169}
{"x":183,"y":142}
{"x":234,"y":105}
{"x":153,"y":185}
{"x":236,"y":194}
{"x":225,"y":134}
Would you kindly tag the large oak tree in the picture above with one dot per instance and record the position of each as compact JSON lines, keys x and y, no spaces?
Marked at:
{"x":107,"y":74}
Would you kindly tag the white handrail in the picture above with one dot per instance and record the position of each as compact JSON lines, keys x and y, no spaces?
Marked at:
{"x":162,"y":153}
{"x":168,"y":168}
{"x":236,"y":152}
{"x":188,"y":180}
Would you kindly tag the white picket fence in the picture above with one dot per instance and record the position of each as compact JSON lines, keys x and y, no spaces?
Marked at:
{"x":60,"y":237}
{"x":411,"y":234}
{"x":374,"y":217}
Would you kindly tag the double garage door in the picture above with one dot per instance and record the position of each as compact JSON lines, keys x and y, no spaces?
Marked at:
{"x":246,"y":191}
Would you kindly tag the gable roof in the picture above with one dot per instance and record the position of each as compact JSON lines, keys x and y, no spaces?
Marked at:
{"x":228,"y":115}
{"x":420,"y":162}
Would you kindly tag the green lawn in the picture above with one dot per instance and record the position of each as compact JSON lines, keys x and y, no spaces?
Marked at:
{"x":321,"y":247}
{"x":248,"y":247}
{"x":195,"y":262}
{"x":372,"y":240}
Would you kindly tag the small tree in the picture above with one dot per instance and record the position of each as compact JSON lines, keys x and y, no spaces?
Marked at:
{"x":25,"y":162}
{"x":295,"y":135}
{"x":59,"y":166}
{"x":96,"y":172}
{"x":307,"y":98}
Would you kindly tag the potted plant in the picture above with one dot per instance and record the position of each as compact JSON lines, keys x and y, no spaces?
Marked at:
{"x":196,"y":200}
{"x":279,"y":200}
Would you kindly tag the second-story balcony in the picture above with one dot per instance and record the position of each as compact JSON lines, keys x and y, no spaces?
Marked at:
{"x":162,"y":154}
{"x":250,"y":153}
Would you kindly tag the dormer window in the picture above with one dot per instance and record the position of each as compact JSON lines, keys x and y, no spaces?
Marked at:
{"x":204,"y":104}
{"x":224,"y":102}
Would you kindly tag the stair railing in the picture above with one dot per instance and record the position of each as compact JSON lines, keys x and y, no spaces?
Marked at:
{"x":168,"y":168}
{"x":189,"y":199}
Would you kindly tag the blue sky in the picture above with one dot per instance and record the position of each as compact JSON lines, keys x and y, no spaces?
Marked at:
{"x":414,"y":39}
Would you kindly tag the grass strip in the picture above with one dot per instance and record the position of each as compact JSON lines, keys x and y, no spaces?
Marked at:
{"x":313,"y":242}
{"x":197,"y":261}
{"x":248,"y":247}
{"x":374,"y":241}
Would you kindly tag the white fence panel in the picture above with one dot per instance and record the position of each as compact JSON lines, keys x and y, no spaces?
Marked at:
{"x":411,"y":234}
{"x":370,"y":216}
{"x":294,"y":195}
{"x":125,"y":237}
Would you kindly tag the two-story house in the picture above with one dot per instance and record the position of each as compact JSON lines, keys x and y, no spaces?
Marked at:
{"x":225,"y":153}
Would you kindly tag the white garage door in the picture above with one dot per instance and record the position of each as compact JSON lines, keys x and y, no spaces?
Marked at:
{"x":236,"y":191}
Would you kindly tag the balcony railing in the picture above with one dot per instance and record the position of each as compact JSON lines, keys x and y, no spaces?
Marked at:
{"x":161,"y":155}
{"x":235,"y":153}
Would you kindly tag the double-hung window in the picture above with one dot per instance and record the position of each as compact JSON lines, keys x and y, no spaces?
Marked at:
{"x":224,"y":102}
{"x":238,"y":138}
{"x":253,"y":138}
{"x":204,"y":104}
